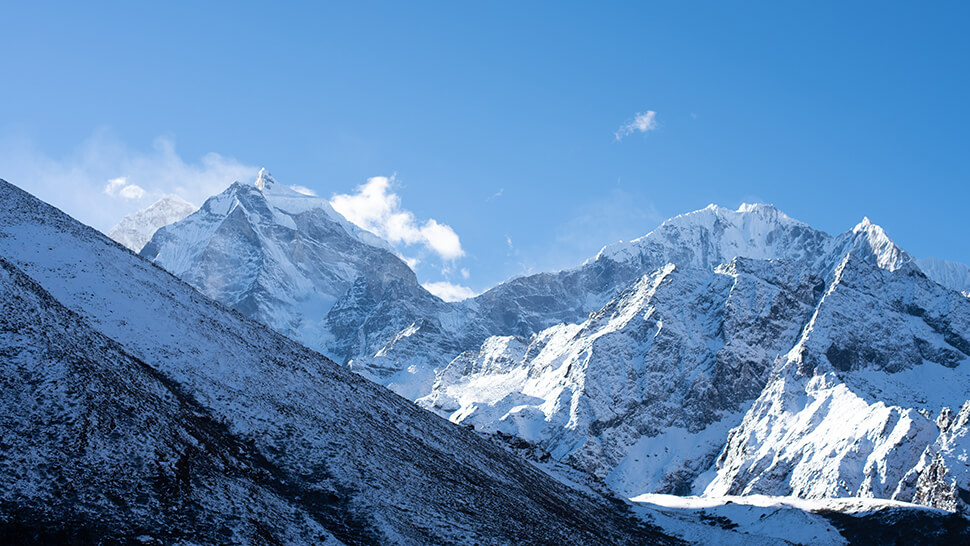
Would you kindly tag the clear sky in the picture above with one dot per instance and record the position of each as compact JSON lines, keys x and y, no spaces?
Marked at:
{"x":538,"y":132}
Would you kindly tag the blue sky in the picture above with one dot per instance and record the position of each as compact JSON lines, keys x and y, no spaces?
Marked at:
{"x":500,"y":120}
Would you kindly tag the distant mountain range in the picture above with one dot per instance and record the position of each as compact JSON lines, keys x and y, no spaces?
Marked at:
{"x":726,"y":352}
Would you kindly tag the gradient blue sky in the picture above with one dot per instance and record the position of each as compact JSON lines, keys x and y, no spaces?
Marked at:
{"x":499,"y":119}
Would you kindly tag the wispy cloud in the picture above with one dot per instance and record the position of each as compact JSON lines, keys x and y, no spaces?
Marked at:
{"x":448,"y":291}
{"x":104,"y":179}
{"x":120,"y":187}
{"x":376,"y":208}
{"x":303,"y":189}
{"x":641,"y":123}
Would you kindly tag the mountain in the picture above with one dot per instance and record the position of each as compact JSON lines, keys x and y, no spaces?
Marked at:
{"x":527,"y":305}
{"x":644,"y":391}
{"x":810,"y":371}
{"x":137,"y":409}
{"x":288,"y":260}
{"x":868,"y":400}
{"x":98,"y":445}
{"x":648,"y":364}
{"x":952,"y":275}
{"x":136,"y":229}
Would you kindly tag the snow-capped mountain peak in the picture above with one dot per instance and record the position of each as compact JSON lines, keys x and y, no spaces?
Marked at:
{"x":755,"y":207}
{"x":888,"y":255}
{"x":288,"y":200}
{"x":136,"y":229}
{"x":714,"y":235}
{"x":264,"y":180}
{"x":284,"y":258}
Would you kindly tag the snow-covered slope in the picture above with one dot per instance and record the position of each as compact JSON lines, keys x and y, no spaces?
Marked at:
{"x":97,"y":446}
{"x":329,"y":449}
{"x":953,"y":275}
{"x":758,"y":519}
{"x":136,"y":229}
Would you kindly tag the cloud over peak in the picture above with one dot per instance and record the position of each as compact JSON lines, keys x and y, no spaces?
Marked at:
{"x":120,"y":187}
{"x":376,"y":208}
{"x":448,"y":291}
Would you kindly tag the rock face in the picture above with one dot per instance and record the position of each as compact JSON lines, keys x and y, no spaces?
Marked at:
{"x":643,"y":392}
{"x":135,"y":230}
{"x":726,"y":352}
{"x":135,"y":408}
{"x":822,"y":365}
{"x":846,"y":411}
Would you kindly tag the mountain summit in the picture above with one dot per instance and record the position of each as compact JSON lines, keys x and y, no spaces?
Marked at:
{"x":264,"y":180}
{"x":277,"y":255}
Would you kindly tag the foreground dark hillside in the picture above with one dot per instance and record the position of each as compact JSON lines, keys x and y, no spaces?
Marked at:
{"x":135,"y":407}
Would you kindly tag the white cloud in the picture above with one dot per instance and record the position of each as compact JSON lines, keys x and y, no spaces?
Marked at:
{"x":449,"y":292}
{"x":304,"y":190}
{"x":104,"y":179}
{"x":465,"y":273}
{"x":641,"y":123}
{"x":114,"y":185}
{"x":412,"y":262}
{"x":376,"y":208}
{"x":512,"y":250}
{"x":120,"y":187}
{"x":132,"y":191}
